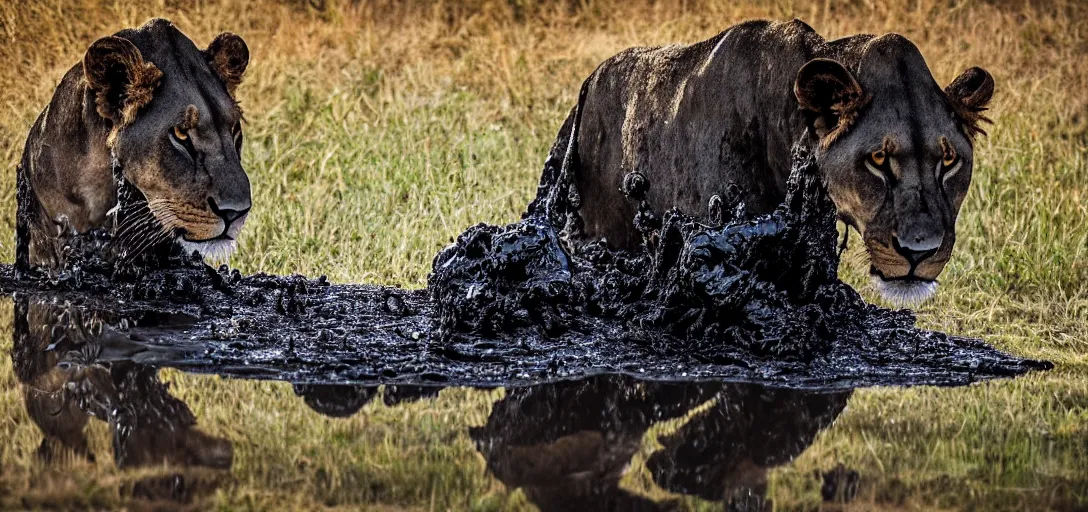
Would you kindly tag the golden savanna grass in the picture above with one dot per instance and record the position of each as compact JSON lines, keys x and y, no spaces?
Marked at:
{"x":377,"y":131}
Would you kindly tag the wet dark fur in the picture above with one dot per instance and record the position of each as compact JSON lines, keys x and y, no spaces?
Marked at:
{"x":711,"y":119}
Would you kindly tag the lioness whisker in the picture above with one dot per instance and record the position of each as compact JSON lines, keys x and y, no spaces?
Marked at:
{"x":143,"y":226}
{"x":135,"y":229}
{"x":135,"y":226}
{"x":134,"y":217}
{"x":146,"y":244}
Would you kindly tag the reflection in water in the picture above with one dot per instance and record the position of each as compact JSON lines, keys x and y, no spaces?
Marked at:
{"x":336,"y":400}
{"x":567,"y":445}
{"x":724,"y":452}
{"x":74,"y":364}
{"x":344,"y":400}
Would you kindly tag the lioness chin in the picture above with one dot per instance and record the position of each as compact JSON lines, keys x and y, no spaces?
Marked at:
{"x":720,"y":115}
{"x":149,"y":113}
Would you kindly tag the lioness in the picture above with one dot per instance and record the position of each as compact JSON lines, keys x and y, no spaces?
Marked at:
{"x":896,"y":150}
{"x":147,"y":103}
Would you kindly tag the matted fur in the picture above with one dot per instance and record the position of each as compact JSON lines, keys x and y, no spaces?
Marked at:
{"x":108,"y":57}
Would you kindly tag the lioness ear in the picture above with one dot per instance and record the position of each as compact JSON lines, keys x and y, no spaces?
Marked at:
{"x":228,"y":56}
{"x":825,"y":88}
{"x":969,"y":95}
{"x":123,"y":83}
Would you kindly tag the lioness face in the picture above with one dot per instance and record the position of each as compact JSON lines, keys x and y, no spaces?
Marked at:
{"x":187,"y":163}
{"x":181,"y":147}
{"x":897,"y":155}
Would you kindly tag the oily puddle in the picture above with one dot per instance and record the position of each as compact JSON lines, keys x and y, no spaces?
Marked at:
{"x":302,"y":330}
{"x":601,"y":442}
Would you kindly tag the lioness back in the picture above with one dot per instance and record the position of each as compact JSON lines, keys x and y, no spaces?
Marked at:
{"x":652,"y":110}
{"x":719,"y":117}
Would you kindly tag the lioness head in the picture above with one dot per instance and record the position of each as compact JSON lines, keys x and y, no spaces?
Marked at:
{"x":896,"y":151}
{"x":175,"y":130}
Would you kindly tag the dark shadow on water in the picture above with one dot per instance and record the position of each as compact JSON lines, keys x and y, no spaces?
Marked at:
{"x":310,"y":331}
{"x":344,"y":400}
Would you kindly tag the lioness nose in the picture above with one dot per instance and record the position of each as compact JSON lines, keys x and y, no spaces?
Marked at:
{"x":913,"y":255}
{"x":229,"y":214}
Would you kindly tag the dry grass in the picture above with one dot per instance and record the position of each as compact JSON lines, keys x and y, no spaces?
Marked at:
{"x":379,"y":130}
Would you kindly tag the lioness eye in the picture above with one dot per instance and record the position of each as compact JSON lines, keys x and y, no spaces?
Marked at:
{"x":237,"y":130}
{"x":180,"y":134}
{"x":878,"y":157}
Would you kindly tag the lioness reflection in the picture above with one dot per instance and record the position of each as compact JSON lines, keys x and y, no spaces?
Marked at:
{"x":567,"y":445}
{"x":344,"y":400}
{"x":73,"y":365}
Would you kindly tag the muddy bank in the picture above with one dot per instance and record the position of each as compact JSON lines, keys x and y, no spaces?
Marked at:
{"x":725,"y":297}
